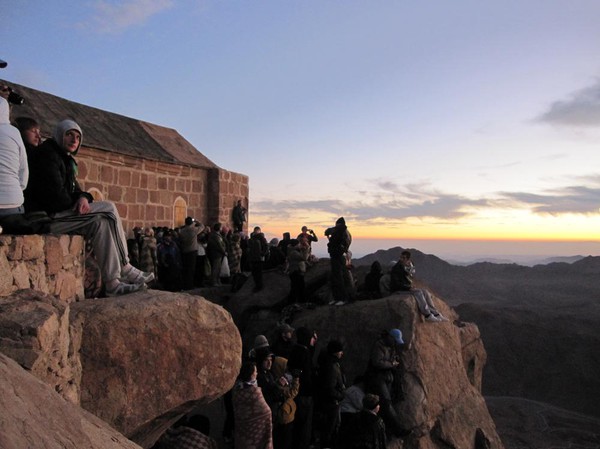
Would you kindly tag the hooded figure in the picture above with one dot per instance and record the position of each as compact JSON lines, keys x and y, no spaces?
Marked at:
{"x":54,"y":187}
{"x":14,"y":171}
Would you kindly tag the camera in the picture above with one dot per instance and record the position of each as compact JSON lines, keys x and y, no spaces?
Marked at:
{"x":15,"y":98}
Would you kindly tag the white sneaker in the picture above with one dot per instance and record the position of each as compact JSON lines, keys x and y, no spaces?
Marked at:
{"x":441,"y":317}
{"x":432,"y":318}
{"x":332,"y":302}
{"x":339,"y":303}
{"x":135,"y":276}
{"x":123,"y":288}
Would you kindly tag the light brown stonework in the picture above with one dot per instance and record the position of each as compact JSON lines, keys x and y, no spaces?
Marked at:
{"x":49,"y":263}
{"x":145,"y":191}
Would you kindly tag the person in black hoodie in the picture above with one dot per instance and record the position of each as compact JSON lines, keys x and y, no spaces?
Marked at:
{"x":53,"y":188}
{"x":338,"y":245}
{"x":300,"y":365}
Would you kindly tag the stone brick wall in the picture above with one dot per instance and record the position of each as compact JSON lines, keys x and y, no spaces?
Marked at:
{"x":52,"y":264}
{"x":146,"y":192}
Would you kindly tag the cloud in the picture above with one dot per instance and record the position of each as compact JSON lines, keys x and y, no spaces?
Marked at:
{"x":582,"y":200}
{"x":581,"y":110}
{"x":391,"y":202}
{"x":114,"y":18}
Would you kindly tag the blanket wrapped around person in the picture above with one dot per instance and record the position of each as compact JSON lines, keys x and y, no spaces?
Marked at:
{"x":252,"y":417}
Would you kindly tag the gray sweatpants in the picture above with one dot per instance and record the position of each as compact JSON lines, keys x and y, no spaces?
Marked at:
{"x":102,"y":226}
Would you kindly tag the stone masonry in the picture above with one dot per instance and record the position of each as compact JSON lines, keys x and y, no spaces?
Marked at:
{"x":53,"y":264}
{"x":146,"y":192}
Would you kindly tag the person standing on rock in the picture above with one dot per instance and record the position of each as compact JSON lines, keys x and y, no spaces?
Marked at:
{"x":188,"y":237}
{"x":53,"y":188}
{"x":337,"y":246}
{"x":401,"y":279}
{"x":258,"y":248}
{"x":238,"y":216}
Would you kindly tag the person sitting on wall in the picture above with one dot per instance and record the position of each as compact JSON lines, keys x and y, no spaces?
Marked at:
{"x":14,"y":170}
{"x":53,"y":188}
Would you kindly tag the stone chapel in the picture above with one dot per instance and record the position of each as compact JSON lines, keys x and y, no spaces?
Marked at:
{"x":152,"y":173}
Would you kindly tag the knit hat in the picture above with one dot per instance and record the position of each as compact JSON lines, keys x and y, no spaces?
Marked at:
{"x":334,"y":346}
{"x":64,"y":126}
{"x":397,"y":336}
{"x":340,"y":221}
{"x":260,"y":342}
{"x":189,"y":221}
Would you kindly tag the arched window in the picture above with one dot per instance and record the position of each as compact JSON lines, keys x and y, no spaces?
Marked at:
{"x":179,"y":212}
{"x":96,"y":194}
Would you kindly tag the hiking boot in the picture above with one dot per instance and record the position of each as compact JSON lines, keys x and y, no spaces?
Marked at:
{"x":123,"y":288}
{"x":432,"y":318}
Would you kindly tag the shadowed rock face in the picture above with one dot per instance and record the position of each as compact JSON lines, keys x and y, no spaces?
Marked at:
{"x":35,"y":416}
{"x":138,"y":362}
{"x":443,"y":362}
{"x":146,"y":355}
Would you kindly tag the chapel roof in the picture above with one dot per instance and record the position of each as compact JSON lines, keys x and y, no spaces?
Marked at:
{"x":108,"y":131}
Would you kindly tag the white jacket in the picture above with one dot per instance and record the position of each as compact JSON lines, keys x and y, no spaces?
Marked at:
{"x":14,"y":171}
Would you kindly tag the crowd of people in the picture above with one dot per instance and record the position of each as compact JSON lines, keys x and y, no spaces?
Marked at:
{"x":284,"y":400}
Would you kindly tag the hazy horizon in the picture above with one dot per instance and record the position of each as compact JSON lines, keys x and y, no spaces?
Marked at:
{"x":470,"y":250}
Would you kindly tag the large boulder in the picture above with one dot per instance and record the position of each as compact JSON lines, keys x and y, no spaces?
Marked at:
{"x":443,"y":362}
{"x":34,"y":331}
{"x":148,"y":358}
{"x":35,"y":416}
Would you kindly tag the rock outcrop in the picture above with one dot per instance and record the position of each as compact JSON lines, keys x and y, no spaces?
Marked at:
{"x":146,"y":357}
{"x":34,"y":416}
{"x":138,"y":362}
{"x":443,"y":363}
{"x":34,"y":331}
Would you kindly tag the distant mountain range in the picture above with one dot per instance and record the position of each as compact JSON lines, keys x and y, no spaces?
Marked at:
{"x":540,"y":325}
{"x":518,"y":259}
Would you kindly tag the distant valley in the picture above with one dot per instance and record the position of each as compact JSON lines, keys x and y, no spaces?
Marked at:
{"x":540,"y":324}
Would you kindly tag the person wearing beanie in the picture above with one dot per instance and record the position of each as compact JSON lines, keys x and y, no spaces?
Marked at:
{"x":54,"y":189}
{"x":337,"y":246}
{"x":331,"y":389}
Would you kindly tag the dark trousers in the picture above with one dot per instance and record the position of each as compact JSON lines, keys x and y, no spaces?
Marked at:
{"x":303,"y":422}
{"x":257,"y":274}
{"x":297,"y":287}
{"x":338,"y":284}
{"x":330,"y":425}
{"x":282,"y":436}
{"x":189,"y":269}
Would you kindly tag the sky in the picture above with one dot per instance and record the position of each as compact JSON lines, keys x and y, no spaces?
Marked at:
{"x":449,"y":121}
